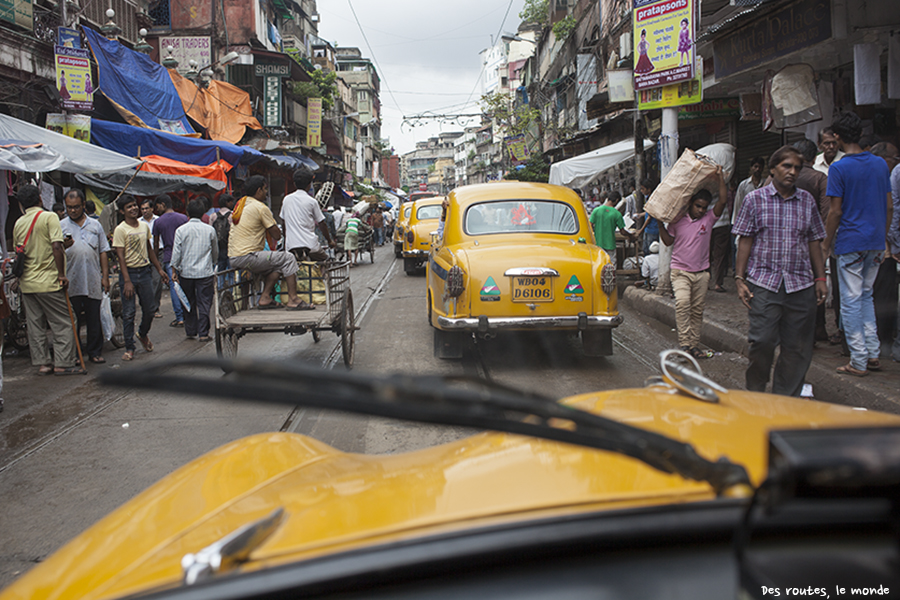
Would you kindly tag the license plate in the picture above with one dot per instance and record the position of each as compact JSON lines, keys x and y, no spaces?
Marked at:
{"x":532,"y":289}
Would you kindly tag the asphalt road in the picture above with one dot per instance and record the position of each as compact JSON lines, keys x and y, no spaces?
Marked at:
{"x":72,"y":451}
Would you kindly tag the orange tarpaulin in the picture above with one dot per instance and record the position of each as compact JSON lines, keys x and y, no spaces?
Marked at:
{"x":222,"y":109}
{"x":167,"y":166}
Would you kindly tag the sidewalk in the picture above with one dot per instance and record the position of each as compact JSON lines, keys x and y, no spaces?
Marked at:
{"x":725,"y":325}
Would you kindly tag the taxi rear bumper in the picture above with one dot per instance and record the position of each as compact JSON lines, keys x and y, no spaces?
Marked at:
{"x":579,"y":322}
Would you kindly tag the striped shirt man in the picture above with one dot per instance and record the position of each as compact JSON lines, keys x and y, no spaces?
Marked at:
{"x":195,"y":250}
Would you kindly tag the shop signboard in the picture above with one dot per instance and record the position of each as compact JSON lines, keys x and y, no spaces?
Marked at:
{"x":188,"y":48}
{"x":73,"y":78}
{"x":677,"y":94}
{"x":68,"y":37}
{"x":664,"y":49}
{"x":272,"y":101}
{"x":794,"y":27}
{"x":621,"y":85}
{"x":269,"y":70}
{"x":313,"y":122}
{"x":518,"y":150}
{"x":19,"y":12}
{"x":714,"y":108}
{"x":74,"y":126}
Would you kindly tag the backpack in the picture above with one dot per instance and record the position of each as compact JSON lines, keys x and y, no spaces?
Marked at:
{"x":222,"y":225}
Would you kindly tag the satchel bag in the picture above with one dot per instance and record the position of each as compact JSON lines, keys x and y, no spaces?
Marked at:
{"x":18,"y":266}
{"x":671,"y":197}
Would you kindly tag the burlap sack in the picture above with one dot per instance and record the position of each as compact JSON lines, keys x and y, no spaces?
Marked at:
{"x":671,"y":197}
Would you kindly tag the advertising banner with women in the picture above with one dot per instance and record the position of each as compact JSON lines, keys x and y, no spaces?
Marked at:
{"x":664,"y":49}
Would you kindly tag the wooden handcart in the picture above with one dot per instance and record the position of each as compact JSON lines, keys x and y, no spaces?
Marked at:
{"x":236,"y":312}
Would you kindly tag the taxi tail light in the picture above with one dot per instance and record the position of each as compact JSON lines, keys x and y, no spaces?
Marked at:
{"x":455,"y":282}
{"x":608,"y":279}
{"x":410,"y":237}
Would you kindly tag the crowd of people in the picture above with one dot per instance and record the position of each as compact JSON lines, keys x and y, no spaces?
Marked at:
{"x":806,"y":205}
{"x":69,"y":259}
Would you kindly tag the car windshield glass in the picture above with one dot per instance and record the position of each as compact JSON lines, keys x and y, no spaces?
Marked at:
{"x":428,"y":212}
{"x":514,"y":216}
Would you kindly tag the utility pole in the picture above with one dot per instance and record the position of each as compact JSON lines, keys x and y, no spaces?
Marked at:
{"x":668,"y":154}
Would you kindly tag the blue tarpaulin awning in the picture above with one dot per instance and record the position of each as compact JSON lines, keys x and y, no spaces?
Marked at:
{"x":140,"y":89}
{"x":140,"y":141}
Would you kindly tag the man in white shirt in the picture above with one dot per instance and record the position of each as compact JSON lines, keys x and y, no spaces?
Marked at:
{"x":301,"y":215}
{"x":831,"y":153}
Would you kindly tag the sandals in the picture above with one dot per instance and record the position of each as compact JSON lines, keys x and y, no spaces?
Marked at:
{"x":873,"y":364}
{"x":701,"y":354}
{"x":146,"y":343}
{"x":70,"y":371}
{"x":176,"y":323}
{"x":302,"y":306}
{"x":129,"y":355}
{"x":849,"y":370}
{"x":46,"y":370}
{"x":204,"y":338}
{"x":97,"y":360}
{"x":269,"y":306}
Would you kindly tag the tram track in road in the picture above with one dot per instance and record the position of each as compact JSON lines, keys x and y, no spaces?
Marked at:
{"x":331,"y":360}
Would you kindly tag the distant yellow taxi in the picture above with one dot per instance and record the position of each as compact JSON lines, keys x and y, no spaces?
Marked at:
{"x":519,"y":256}
{"x":424,"y":218}
{"x":400,"y":228}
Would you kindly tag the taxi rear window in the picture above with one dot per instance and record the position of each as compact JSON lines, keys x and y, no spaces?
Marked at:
{"x":407,"y":211}
{"x":428,"y":212}
{"x":516,"y":216}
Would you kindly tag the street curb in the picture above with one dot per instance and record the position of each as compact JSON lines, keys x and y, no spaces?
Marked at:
{"x":828,"y":385}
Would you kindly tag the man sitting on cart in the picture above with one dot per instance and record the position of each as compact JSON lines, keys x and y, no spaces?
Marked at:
{"x":252,"y":222}
{"x":301,"y":215}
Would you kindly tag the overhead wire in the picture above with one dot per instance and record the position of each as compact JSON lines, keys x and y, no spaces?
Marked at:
{"x":372,"y":53}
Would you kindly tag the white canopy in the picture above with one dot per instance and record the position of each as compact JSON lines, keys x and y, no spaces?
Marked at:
{"x":56,"y":152}
{"x":580,"y":171}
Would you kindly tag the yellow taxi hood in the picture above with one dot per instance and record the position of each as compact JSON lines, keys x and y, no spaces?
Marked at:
{"x":336,"y":501}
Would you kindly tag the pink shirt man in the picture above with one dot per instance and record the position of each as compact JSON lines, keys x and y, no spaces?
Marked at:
{"x":691,"y":249}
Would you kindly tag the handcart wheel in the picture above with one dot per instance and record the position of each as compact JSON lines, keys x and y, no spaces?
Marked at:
{"x":17,"y":333}
{"x":315,"y":334}
{"x":226,"y":337}
{"x":348,"y":329}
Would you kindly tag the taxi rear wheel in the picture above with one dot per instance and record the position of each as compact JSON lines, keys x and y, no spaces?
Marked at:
{"x":409,"y":265}
{"x":398,"y":251}
{"x":597,"y":342}
{"x":448,"y":344}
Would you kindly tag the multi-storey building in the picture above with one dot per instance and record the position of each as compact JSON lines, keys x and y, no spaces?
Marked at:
{"x":432,"y":163}
{"x":361,"y":75}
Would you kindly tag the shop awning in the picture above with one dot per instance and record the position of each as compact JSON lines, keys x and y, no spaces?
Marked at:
{"x":580,"y":171}
{"x":140,"y":89}
{"x":222,"y":109}
{"x":140,"y":141}
{"x":149,"y":184}
{"x":34,"y":149}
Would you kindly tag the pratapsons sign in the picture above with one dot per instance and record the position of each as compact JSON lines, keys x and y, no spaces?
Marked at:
{"x":664,"y":48}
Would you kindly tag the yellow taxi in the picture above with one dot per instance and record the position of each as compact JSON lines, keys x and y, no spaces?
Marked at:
{"x":680,"y":489}
{"x":423,"y":221}
{"x":400,"y":228}
{"x":518,"y":256}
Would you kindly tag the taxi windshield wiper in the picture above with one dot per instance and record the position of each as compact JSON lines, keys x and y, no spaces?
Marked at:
{"x":448,"y":400}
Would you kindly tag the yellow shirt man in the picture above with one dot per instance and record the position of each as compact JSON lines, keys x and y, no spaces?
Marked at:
{"x":134,"y":241}
{"x":248,"y":234}
{"x":41,"y":274}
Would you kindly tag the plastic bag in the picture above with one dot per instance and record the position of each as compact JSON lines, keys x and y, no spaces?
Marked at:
{"x":106,"y":317}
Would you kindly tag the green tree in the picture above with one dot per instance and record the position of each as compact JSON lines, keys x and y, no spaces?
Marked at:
{"x":563,"y":28}
{"x":536,"y":169}
{"x":535,"y":11}
{"x":322,"y":86}
{"x":510,"y":119}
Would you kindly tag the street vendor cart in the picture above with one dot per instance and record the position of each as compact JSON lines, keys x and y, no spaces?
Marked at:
{"x":326,"y":286}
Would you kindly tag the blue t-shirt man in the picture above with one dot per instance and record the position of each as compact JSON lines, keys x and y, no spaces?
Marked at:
{"x":863,"y":182}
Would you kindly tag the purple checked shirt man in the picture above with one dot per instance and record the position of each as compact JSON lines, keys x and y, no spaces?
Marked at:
{"x":780,"y":274}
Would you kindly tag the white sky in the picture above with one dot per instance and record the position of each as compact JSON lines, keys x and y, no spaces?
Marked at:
{"x":426,"y":53}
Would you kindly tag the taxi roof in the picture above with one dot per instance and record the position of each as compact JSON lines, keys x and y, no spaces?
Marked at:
{"x":511,"y":190}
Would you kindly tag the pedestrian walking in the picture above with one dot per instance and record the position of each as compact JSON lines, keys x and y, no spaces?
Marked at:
{"x":43,"y":286}
{"x":195,"y":251}
{"x":859,"y":190}
{"x":884,"y":290}
{"x":690,"y":237}
{"x":302,"y":216}
{"x":251,"y":222}
{"x":605,"y":220}
{"x":894,"y":241}
{"x":164,"y":231}
{"x":649,"y":231}
{"x":720,"y":243}
{"x":351,"y":238}
{"x":780,"y":275}
{"x":148,"y":216}
{"x":87,"y":268}
{"x":221,"y":222}
{"x":378,"y":225}
{"x":135,"y":253}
